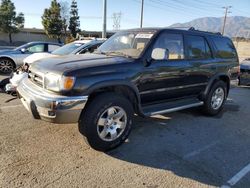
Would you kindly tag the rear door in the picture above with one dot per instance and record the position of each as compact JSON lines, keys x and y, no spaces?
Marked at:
{"x":201,"y":61}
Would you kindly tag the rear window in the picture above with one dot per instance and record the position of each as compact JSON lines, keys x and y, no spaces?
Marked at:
{"x":224,"y":47}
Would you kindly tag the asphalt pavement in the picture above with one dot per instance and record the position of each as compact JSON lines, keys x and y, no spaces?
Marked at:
{"x":181,"y":149}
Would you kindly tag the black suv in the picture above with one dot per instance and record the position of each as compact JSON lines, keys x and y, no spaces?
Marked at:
{"x":140,"y":71}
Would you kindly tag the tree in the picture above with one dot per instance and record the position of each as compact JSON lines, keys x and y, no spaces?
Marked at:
{"x":65,"y":15}
{"x":10,"y":22}
{"x":52,"y":21}
{"x":74,"y":22}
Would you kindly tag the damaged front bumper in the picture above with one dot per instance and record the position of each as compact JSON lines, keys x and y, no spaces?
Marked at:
{"x":50,"y":106}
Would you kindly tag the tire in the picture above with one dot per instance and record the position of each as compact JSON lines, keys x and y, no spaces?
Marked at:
{"x":99,"y":125}
{"x":210,"y":107}
{"x":239,"y":83}
{"x":4,"y":82}
{"x":6,"y":65}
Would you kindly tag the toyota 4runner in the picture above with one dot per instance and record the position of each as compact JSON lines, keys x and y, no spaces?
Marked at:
{"x":140,"y":71}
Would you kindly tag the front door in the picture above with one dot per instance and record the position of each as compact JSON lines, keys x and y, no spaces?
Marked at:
{"x":164,"y":79}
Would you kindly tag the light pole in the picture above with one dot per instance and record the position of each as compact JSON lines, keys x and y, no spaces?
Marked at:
{"x":225,"y":18}
{"x":104,"y":19}
{"x":142,"y":6}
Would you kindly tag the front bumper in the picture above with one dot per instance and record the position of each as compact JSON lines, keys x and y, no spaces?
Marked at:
{"x":244,"y":78}
{"x":49,"y":106}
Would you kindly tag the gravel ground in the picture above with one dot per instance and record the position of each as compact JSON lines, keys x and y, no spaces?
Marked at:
{"x":182,"y":149}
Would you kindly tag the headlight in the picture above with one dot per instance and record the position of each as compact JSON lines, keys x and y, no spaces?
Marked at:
{"x":52,"y":82}
{"x":58,"y":83}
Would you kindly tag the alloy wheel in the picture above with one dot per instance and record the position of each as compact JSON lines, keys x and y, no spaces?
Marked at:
{"x":6,"y":66}
{"x":217,"y":98}
{"x":112,"y":123}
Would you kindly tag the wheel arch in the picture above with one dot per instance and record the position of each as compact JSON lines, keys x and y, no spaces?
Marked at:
{"x":120,"y":87}
{"x":10,"y":58}
{"x":223,"y":77}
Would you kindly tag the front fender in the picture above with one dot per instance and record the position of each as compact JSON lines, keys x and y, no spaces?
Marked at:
{"x":113,"y":83}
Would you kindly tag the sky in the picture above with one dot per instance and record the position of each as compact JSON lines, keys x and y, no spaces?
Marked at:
{"x":157,"y":13}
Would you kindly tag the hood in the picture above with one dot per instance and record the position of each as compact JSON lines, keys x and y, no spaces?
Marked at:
{"x":70,"y":63}
{"x":6,"y":52}
{"x":245,"y":65}
{"x":37,"y":56}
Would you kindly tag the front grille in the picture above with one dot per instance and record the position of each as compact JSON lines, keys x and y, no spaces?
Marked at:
{"x":36,"y":78}
{"x":245,"y":71}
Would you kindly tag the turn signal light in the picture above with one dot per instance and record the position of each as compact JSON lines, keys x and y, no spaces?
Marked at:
{"x":68,"y":83}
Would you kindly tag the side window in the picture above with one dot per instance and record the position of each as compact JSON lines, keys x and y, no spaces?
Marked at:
{"x":197,"y":48}
{"x":52,"y":47}
{"x":36,"y":48}
{"x":173,"y":43}
{"x":225,"y":47}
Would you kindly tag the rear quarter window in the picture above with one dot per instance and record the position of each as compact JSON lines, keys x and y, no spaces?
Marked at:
{"x":224,"y":48}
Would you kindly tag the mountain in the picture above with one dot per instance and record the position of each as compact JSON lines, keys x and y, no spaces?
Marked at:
{"x":236,"y":26}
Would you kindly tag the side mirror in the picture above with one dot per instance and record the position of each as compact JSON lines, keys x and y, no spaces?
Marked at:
{"x":160,"y":54}
{"x":23,"y":50}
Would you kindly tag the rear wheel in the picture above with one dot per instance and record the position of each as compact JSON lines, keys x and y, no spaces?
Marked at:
{"x":106,"y":121}
{"x":6,"y":65}
{"x":216,"y":98}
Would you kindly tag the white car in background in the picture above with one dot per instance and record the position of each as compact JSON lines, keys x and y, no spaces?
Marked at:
{"x":76,"y":47}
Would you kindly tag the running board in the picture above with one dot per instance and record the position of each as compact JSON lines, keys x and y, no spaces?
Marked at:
{"x":171,"y":106}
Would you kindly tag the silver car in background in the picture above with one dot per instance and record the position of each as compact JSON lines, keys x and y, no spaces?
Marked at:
{"x":11,"y":59}
{"x":76,"y":47}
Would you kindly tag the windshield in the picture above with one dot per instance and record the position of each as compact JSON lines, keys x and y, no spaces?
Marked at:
{"x":67,"y":49}
{"x":23,"y":46}
{"x":129,"y":43}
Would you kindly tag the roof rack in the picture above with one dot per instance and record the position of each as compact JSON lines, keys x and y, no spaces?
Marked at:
{"x":182,"y":28}
{"x":193,"y":29}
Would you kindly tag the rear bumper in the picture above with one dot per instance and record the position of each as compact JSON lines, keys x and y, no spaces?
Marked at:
{"x":50,"y":107}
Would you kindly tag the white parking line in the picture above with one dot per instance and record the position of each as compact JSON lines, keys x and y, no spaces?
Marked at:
{"x":237,"y":177}
{"x":198,"y":151}
{"x":14,"y":106}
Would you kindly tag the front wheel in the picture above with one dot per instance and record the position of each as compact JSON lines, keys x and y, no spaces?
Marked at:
{"x":107,"y":121}
{"x":216,"y":98}
{"x":6,"y":66}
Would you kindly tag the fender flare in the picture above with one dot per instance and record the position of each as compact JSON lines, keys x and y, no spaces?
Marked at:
{"x":211,"y":82}
{"x":115,"y":83}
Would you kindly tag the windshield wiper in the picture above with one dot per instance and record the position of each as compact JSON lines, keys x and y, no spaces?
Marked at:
{"x":99,"y":52}
{"x":118,"y":53}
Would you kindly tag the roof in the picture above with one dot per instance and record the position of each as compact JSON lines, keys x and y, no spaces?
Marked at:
{"x":187,"y":30}
{"x":81,"y":41}
{"x":44,"y":42}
